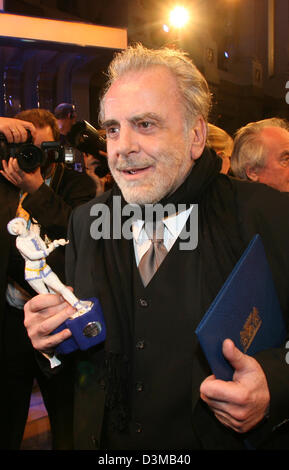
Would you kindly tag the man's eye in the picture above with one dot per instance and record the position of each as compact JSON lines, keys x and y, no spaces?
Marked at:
{"x":111,"y":131}
{"x":285,"y":161}
{"x":145,"y":124}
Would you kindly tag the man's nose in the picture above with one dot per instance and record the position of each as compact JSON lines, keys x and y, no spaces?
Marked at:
{"x":127,"y":142}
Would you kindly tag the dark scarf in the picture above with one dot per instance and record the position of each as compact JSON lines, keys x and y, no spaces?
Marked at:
{"x":220,"y":246}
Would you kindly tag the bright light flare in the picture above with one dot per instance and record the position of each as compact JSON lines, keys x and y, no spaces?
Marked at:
{"x":179,"y":17}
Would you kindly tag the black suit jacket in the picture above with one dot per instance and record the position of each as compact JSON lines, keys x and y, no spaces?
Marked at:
{"x":260,"y":209}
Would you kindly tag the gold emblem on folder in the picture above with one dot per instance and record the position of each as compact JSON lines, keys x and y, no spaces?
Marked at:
{"x":250,"y":329}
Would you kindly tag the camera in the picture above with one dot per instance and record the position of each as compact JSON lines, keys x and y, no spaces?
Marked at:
{"x":85,"y":138}
{"x":30,"y":157}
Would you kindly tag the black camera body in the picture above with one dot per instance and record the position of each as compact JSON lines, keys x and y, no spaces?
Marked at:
{"x":30,"y":157}
{"x":83,"y":136}
{"x":86,"y":138}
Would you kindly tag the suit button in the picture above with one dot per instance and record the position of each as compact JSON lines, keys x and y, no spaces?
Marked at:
{"x":139,"y":387}
{"x":140,"y":344}
{"x":143,"y":303}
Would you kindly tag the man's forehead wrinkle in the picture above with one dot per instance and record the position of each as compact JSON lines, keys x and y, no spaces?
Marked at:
{"x":135,"y":118}
{"x":135,"y":81}
{"x":139,"y":96}
{"x":146,"y":115}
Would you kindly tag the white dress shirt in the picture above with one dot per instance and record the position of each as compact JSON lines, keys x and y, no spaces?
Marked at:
{"x":173,"y":225}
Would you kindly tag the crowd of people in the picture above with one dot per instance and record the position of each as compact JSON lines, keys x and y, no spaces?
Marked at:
{"x":148,"y":386}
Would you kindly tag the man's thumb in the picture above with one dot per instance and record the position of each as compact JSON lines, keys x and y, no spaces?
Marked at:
{"x":237,"y":359}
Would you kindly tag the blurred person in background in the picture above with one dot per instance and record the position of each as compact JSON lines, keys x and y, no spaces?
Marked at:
{"x":261,"y":153}
{"x":66,"y":116}
{"x":93,"y":168}
{"x":96,"y":166}
{"x":44,"y":196}
{"x":220,"y":141}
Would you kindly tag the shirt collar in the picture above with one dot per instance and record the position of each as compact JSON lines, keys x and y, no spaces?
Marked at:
{"x":173,"y":223}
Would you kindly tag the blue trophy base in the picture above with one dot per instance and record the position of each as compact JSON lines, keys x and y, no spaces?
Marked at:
{"x":87,"y":330}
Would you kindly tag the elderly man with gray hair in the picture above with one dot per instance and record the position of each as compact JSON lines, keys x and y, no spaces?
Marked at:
{"x":261,"y":153}
{"x":148,"y":386}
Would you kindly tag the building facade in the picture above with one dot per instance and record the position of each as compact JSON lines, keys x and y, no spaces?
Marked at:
{"x":241,"y":46}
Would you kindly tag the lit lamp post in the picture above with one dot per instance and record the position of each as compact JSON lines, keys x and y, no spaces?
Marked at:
{"x":178,"y":18}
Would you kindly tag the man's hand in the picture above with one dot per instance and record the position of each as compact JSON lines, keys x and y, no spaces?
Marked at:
{"x":242,"y":403}
{"x":15,"y":130}
{"x":28,"y":182}
{"x":91,"y":163}
{"x":44,"y":313}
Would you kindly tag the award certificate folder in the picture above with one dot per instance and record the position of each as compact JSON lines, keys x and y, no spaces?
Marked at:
{"x":246,"y":310}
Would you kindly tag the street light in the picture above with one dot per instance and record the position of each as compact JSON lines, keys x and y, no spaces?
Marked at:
{"x":179,"y":17}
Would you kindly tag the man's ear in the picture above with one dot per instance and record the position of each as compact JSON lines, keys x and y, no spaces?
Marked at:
{"x":252,"y":173}
{"x":199,"y":137}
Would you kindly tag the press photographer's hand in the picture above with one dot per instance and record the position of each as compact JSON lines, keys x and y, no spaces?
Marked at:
{"x":27,"y":182}
{"x":15,"y":130}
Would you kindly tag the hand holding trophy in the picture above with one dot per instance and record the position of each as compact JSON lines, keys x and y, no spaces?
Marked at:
{"x":43,"y":280}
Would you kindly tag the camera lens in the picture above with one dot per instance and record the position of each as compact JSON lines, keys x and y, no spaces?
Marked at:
{"x":29,"y":157}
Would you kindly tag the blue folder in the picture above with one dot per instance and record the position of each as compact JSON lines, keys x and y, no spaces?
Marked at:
{"x":246,"y":310}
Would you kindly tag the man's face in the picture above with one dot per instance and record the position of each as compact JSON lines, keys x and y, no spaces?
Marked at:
{"x":43,"y":135}
{"x":149,"y":150}
{"x":73,"y":119}
{"x":276,"y":170}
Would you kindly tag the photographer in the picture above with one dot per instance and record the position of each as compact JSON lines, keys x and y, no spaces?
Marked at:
{"x":91,"y":142}
{"x":46,"y":196}
{"x":96,"y":169}
{"x":66,"y":115}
